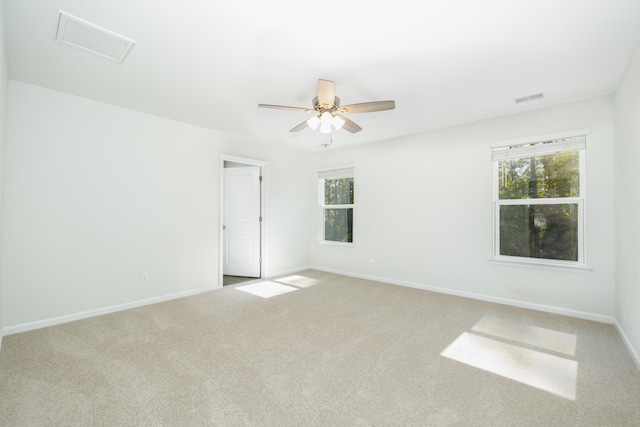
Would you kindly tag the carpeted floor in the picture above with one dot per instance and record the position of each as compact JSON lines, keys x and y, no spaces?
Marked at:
{"x":318,"y":349}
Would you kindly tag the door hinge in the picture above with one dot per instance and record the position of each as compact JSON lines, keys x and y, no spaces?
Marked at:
{"x":260,"y":260}
{"x":260,"y":178}
{"x":260,"y":219}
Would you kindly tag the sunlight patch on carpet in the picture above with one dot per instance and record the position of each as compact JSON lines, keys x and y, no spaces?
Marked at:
{"x":547,"y":372}
{"x":298,"y":281}
{"x":266,"y":289}
{"x":535,"y":367}
{"x":544,"y":338}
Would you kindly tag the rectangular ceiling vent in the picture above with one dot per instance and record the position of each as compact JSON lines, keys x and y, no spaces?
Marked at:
{"x":88,"y":37}
{"x":529,"y":98}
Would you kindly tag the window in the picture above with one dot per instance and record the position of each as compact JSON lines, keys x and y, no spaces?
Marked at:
{"x":336,"y":191}
{"x":539,"y":197}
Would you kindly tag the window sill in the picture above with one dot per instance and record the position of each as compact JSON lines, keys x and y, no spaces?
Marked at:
{"x":575,"y":268}
{"x":339,"y":244}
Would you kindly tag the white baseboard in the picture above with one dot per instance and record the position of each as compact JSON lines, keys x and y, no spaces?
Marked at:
{"x":515,"y":303}
{"x":30,"y":326}
{"x":24,"y":327}
{"x":634,"y":354}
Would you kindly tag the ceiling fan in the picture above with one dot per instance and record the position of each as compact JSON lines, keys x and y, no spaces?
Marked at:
{"x":328,"y":112}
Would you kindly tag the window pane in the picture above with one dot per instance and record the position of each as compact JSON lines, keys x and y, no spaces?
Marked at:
{"x":338,"y":191}
{"x":540,"y":231}
{"x":550,"y":176}
{"x":338,"y":225}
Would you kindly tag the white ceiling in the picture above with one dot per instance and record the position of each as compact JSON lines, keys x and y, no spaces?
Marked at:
{"x":444,"y":62}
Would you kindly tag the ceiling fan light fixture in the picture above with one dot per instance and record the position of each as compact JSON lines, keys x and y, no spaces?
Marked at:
{"x":313,"y":122}
{"x":328,"y":113}
{"x":326,"y":120}
{"x":338,"y":122}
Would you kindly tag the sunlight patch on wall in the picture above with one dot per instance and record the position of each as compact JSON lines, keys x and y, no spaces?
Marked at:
{"x":544,"y":371}
{"x":266,"y":289}
{"x":547,"y":339}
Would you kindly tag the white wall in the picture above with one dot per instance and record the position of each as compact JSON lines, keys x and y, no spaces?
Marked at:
{"x":3,"y":126}
{"x":627,"y":182}
{"x":424,"y":211}
{"x":97,"y":194}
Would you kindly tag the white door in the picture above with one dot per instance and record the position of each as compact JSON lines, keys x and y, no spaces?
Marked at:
{"x":241,"y":222}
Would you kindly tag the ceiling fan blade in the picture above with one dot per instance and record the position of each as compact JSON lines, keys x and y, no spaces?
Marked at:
{"x":299,"y":127}
{"x":283,"y":107}
{"x":349,"y":125}
{"x":326,"y":93}
{"x":367,"y":107}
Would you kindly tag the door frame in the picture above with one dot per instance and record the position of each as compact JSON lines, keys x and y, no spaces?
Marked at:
{"x":263,"y":226}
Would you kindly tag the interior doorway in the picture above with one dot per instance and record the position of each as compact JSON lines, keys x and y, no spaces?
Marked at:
{"x":242,"y":222}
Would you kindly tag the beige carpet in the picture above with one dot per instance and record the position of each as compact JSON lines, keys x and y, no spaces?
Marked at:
{"x":318,"y":349}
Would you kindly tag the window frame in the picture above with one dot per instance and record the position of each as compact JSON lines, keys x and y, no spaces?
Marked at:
{"x":334,"y":173}
{"x":580,"y":201}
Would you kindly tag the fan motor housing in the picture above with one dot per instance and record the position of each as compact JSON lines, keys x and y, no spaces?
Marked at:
{"x":317,"y":107}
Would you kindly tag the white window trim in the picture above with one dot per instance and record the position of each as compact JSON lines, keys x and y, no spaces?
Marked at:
{"x":342,"y":171}
{"x":545,"y":137}
{"x":539,"y":263}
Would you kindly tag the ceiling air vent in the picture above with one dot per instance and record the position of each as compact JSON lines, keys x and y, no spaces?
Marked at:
{"x":88,"y":37}
{"x":529,"y":98}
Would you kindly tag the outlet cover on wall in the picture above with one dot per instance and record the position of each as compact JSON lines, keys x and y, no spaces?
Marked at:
{"x":144,"y":277}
